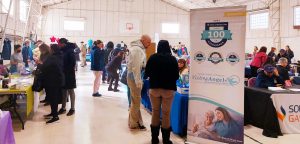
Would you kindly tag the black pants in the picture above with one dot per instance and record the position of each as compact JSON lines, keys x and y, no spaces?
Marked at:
{"x":104,"y":75}
{"x":254,"y":71}
{"x":54,"y":95}
{"x":114,"y":76}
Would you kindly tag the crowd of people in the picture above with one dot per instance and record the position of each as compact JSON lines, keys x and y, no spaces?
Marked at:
{"x":56,"y":66}
{"x":272,"y":69}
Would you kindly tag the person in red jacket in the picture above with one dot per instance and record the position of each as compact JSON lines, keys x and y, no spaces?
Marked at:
{"x":258,"y":61}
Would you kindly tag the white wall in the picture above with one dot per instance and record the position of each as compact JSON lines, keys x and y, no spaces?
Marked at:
{"x":15,"y":26}
{"x":103,"y":17}
{"x":289,"y":35}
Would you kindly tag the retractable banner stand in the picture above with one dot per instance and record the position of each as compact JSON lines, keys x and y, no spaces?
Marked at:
{"x":216,"y":104}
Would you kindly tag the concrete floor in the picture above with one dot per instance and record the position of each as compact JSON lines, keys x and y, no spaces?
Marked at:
{"x":104,"y":121}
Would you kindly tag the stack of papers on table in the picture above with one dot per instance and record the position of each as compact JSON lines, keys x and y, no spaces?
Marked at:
{"x":276,"y":89}
{"x":295,"y":89}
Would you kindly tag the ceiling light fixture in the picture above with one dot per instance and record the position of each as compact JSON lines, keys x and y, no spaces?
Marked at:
{"x":180,"y":0}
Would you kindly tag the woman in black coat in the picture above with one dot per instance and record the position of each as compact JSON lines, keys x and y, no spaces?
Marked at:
{"x":162,"y":69}
{"x":53,"y":80}
{"x":69,"y":62}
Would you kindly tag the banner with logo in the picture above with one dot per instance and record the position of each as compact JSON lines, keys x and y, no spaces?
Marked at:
{"x":216,"y":104}
{"x":288,"y":112}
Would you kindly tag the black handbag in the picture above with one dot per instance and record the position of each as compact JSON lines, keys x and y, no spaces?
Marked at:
{"x":37,"y":82}
{"x":124,"y":77}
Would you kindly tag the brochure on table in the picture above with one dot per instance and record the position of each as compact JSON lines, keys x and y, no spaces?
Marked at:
{"x":216,"y":104}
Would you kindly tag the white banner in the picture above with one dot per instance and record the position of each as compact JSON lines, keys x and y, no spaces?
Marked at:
{"x":216,"y":104}
{"x":288,"y":112}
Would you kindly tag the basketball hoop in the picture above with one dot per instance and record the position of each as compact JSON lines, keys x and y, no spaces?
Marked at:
{"x":129,"y":26}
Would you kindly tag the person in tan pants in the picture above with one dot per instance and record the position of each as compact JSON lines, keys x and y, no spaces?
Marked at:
{"x":136,"y":61}
{"x":162,"y":70}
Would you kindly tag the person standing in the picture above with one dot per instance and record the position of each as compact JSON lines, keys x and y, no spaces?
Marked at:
{"x":97,"y":65}
{"x":77,"y":51}
{"x":258,"y":61}
{"x":83,"y":54}
{"x":53,"y":80}
{"x":69,"y":62}
{"x":254,"y":51}
{"x":136,"y":61}
{"x":112,"y":68}
{"x":15,"y":59}
{"x":109,"y":48}
{"x":162,"y":69}
{"x":289,"y":52}
{"x":272,"y":53}
{"x":25,"y":52}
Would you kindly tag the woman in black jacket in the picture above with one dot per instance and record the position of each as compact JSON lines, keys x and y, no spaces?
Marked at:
{"x":69,"y":62}
{"x":162,"y":69}
{"x":53,"y":80}
{"x":112,"y":68}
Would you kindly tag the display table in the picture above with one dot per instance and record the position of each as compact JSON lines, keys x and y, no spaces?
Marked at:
{"x":25,"y":91}
{"x":260,"y":110}
{"x":6,"y":130}
{"x":179,"y":114}
{"x":145,"y":100}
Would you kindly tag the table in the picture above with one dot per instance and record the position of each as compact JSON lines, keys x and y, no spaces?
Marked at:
{"x":27,"y":91}
{"x":6,"y":130}
{"x":260,"y":110}
{"x":145,"y":99}
{"x":179,"y":114}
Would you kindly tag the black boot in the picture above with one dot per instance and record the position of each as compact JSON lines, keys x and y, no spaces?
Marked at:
{"x":154,"y":134}
{"x":166,"y":135}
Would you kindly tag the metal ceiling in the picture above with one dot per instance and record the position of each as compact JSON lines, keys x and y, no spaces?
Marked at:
{"x":185,"y":4}
{"x":194,"y":4}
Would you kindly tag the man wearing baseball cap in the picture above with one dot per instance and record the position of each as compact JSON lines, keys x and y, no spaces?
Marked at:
{"x":268,"y":77}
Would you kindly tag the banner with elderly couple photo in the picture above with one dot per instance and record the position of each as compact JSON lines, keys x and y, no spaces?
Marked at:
{"x":216,"y":103}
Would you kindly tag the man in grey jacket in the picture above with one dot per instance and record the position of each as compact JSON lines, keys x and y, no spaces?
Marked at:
{"x":136,"y":61}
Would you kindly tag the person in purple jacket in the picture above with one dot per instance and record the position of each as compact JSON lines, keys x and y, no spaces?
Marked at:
{"x":112,"y":68}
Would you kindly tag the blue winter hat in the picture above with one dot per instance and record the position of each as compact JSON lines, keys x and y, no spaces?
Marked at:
{"x":269,"y":68}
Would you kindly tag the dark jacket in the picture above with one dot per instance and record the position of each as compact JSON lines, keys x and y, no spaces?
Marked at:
{"x":162,"y":68}
{"x":77,"y":51}
{"x":25,"y":53}
{"x":115,"y":64}
{"x":285,"y":56}
{"x":271,"y":54}
{"x":290,"y":54}
{"x":283,"y":73}
{"x":52,"y":75}
{"x":263,"y":81}
{"x":69,"y":62}
{"x":107,"y":54}
{"x":6,"y":52}
{"x":113,"y":54}
{"x":97,"y":59}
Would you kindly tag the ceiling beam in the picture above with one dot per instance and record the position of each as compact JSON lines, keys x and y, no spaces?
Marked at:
{"x":174,"y":5}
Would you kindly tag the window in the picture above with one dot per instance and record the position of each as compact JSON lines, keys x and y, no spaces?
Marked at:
{"x":74,"y":25}
{"x":170,"y":28}
{"x":297,"y":16}
{"x":5,"y":6}
{"x":23,"y":10}
{"x":259,"y":20}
